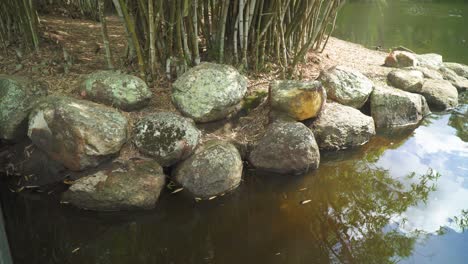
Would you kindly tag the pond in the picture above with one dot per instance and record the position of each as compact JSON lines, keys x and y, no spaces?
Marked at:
{"x":438,"y":26}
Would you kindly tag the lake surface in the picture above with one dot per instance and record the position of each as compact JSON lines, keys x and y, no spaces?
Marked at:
{"x":423,"y":26}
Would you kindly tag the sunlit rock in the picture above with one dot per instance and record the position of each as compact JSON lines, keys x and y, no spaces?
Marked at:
{"x":215,"y":168}
{"x":440,"y":94}
{"x":450,"y":75}
{"x":77,"y":133}
{"x":209,"y":92}
{"x":346,"y":86}
{"x":124,"y":186}
{"x":18,"y":95}
{"x":460,"y":69}
{"x":400,"y":59}
{"x":299,"y":99}
{"x":394,"y":108}
{"x":429,"y":60}
{"x":286,"y":147}
{"x":341,"y":127}
{"x":408,"y":80}
{"x":166,"y":136}
{"x":126,"y":92}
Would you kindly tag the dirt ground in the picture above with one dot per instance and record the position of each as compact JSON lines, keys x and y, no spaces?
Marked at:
{"x":81,"y":40}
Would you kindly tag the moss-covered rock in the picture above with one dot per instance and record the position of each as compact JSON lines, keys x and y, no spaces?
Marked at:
{"x":341,"y":127}
{"x":286,"y":147}
{"x":215,"y":168}
{"x":77,"y":133}
{"x":460,"y":69}
{"x":18,"y":95}
{"x":300,"y":100}
{"x":166,"y":136}
{"x":209,"y":92}
{"x":124,"y":186}
{"x":347,"y":86}
{"x":126,"y":92}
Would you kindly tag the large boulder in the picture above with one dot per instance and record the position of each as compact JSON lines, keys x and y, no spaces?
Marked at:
{"x":166,"y":136}
{"x":394,"y":108}
{"x":124,"y":186}
{"x":401,"y":59}
{"x":459,"y":82}
{"x":18,"y":95}
{"x":77,"y":133}
{"x":126,"y":92}
{"x":209,"y":92}
{"x":347,"y":86}
{"x":341,"y":127}
{"x":427,"y":72}
{"x":429,"y":60}
{"x":408,"y":80}
{"x":440,"y":94}
{"x":286,"y":147}
{"x":460,"y":69}
{"x":298,"y":99}
{"x":214,"y":169}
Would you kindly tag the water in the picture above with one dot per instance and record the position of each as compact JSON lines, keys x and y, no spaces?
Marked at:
{"x":423,"y":26}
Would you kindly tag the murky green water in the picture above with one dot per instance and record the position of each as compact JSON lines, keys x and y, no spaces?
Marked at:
{"x":439,"y":26}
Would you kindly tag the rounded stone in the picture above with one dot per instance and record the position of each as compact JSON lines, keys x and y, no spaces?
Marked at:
{"x":123,"y":91}
{"x":166,"y":136}
{"x":215,"y":168}
{"x":209,"y":92}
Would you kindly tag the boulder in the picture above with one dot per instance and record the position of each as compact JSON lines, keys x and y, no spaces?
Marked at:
{"x":347,"y":86}
{"x":406,"y":59}
{"x":166,"y":136}
{"x":18,"y":95}
{"x":429,"y":60}
{"x":408,"y":80}
{"x":341,"y":127}
{"x":77,"y":133}
{"x":214,"y":169}
{"x":459,"y":82}
{"x":460,"y":69}
{"x":427,"y":72}
{"x":209,"y":92}
{"x":126,"y":92}
{"x":286,"y":147}
{"x":393,"y":108}
{"x":299,"y":99}
{"x":123,"y":186}
{"x":440,"y":94}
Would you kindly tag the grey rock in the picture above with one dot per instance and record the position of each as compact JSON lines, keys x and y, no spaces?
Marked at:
{"x":427,"y":72}
{"x":440,"y":94}
{"x":347,"y":86}
{"x":408,"y":80}
{"x":214,"y":169}
{"x":125,"y":185}
{"x":429,"y":60}
{"x":342,"y":127}
{"x":405,"y":59}
{"x":394,"y":108}
{"x":77,"y":133}
{"x":459,"y":82}
{"x":18,"y":95}
{"x":460,"y":69}
{"x":209,"y":92}
{"x":298,"y":99}
{"x":166,"y":136}
{"x":286,"y":147}
{"x":126,"y":92}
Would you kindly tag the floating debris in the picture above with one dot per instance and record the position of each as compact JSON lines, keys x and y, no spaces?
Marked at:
{"x":177,"y":190}
{"x":68,"y":182}
{"x":302,"y":189}
{"x":64,"y":202}
{"x":75,"y":250}
{"x":197,"y":199}
{"x":212,"y":197}
{"x":306,"y":201}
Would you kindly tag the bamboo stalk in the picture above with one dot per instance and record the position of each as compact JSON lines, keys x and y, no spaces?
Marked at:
{"x":105,"y":36}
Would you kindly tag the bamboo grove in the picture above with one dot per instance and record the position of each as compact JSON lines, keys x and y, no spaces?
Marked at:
{"x":173,"y":35}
